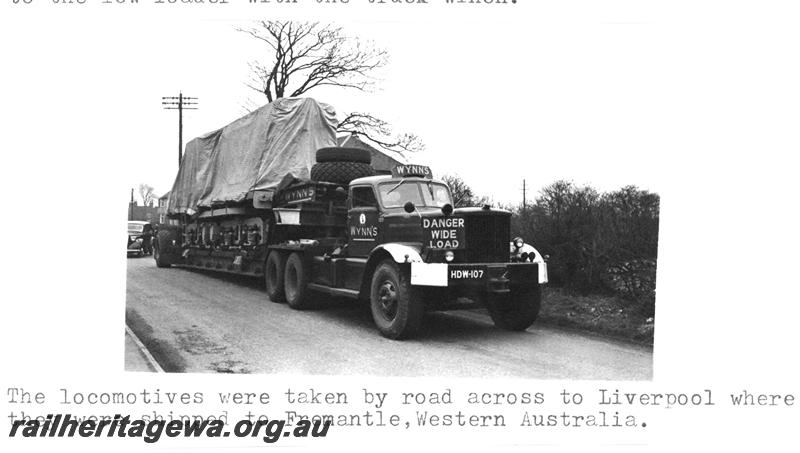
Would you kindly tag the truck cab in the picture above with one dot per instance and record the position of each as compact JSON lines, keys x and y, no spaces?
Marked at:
{"x":403,"y":248}
{"x":377,"y":210}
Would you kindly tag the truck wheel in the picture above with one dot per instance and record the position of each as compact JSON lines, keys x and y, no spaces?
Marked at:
{"x":339,"y":154}
{"x":160,"y":261}
{"x":340,"y":172}
{"x":296,"y":283}
{"x":518,"y":310}
{"x":273,"y":276}
{"x":396,"y":309}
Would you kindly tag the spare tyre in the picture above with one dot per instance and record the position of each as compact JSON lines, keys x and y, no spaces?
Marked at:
{"x":338,"y":154}
{"x":340,"y":172}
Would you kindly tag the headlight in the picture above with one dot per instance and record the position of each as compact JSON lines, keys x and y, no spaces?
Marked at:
{"x":448,"y":256}
{"x":518,"y":242}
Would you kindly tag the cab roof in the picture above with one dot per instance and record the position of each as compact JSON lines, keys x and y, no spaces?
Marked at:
{"x":374,"y":180}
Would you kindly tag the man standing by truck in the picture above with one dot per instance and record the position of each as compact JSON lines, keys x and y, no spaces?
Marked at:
{"x":147,"y":236}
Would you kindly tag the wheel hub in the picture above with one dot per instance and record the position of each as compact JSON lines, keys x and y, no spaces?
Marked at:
{"x":387,"y":296}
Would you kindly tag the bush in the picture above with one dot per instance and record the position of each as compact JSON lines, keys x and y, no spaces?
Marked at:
{"x":597,"y":243}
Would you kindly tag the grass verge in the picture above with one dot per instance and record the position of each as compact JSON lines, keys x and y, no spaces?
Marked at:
{"x":606,"y":315}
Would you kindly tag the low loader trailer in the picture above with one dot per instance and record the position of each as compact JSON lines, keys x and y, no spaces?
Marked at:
{"x":393,"y":241}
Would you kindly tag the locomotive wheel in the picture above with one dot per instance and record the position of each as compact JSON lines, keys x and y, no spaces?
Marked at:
{"x":518,"y":310}
{"x":396,"y":307}
{"x":339,"y":154}
{"x":273,"y":276}
{"x":298,"y":296}
{"x":340,"y":172}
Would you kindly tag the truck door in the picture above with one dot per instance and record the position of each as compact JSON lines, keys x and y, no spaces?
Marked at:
{"x":362,"y":221}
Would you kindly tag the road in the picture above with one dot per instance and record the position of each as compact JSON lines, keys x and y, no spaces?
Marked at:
{"x":195,"y":321}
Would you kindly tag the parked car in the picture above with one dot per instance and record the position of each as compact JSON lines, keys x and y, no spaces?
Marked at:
{"x":139,"y":236}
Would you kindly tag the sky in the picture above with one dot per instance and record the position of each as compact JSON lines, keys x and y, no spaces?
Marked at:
{"x":495,"y":102}
{"x":594,"y":95}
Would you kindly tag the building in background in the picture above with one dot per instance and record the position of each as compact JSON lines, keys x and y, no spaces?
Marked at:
{"x":381,"y":162}
{"x":142,"y":213}
{"x":162,"y":208}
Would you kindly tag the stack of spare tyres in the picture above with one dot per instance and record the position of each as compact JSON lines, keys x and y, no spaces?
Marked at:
{"x":342,"y":165}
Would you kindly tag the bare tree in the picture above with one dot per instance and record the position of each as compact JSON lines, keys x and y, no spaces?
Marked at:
{"x":147,"y":195}
{"x":380,"y":132}
{"x":306,"y":55}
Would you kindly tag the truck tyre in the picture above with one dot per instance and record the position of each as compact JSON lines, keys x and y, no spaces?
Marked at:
{"x":339,"y":154}
{"x":396,"y":309}
{"x":340,"y":172}
{"x":160,"y":261}
{"x":298,"y":296}
{"x":516,"y":311}
{"x":273,"y":276}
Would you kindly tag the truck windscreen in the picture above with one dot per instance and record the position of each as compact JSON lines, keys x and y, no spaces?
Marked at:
{"x":421,"y":193}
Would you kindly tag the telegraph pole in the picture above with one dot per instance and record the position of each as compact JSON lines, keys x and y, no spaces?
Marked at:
{"x":524,"y":196}
{"x":179,"y":103}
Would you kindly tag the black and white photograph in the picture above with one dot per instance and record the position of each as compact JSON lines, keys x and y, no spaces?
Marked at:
{"x":473,"y":225}
{"x":310,"y":224}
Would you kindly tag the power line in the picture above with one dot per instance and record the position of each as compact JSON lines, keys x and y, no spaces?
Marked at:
{"x":179,"y":103}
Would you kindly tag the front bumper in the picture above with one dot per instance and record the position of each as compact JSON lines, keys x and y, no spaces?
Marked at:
{"x":491,"y":277}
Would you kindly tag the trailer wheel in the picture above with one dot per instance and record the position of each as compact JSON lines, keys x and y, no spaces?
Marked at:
{"x":396,"y":307}
{"x":160,"y":261}
{"x":344,"y":154}
{"x":273,"y":276}
{"x":340,"y":172}
{"x":298,"y":296}
{"x":516,"y":311}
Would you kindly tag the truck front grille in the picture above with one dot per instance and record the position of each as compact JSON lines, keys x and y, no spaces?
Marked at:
{"x":488,"y":237}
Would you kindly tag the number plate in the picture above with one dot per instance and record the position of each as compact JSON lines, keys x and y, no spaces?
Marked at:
{"x":460,"y":274}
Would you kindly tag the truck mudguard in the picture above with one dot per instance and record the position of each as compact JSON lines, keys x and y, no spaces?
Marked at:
{"x":401,"y":253}
{"x":539,"y":259}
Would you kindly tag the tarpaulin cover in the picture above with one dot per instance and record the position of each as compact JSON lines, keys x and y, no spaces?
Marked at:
{"x":254,"y":152}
